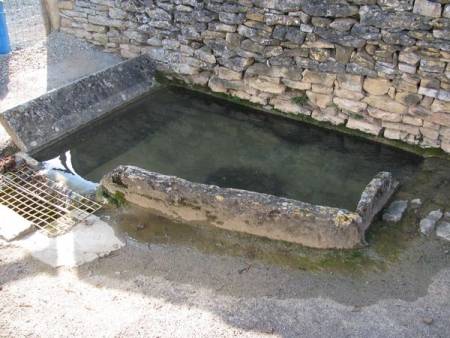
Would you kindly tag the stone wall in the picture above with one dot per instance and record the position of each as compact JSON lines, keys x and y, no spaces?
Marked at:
{"x":378,"y":66}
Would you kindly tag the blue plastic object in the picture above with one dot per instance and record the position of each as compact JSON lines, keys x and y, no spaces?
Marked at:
{"x":5,"y":45}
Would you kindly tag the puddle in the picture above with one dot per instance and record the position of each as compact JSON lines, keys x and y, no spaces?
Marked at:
{"x":207,"y":140}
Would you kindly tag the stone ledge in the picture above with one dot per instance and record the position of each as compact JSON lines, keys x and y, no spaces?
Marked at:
{"x":254,"y":213}
{"x":41,"y":122}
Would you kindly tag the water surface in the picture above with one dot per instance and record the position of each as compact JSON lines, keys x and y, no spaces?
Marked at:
{"x":203,"y":139}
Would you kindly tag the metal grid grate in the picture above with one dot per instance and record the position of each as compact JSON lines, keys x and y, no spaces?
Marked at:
{"x":52,"y":209}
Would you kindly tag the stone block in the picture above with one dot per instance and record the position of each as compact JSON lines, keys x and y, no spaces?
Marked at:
{"x":348,"y":94}
{"x":290,"y":107}
{"x":404,"y":67}
{"x":320,"y":55}
{"x":251,"y":46}
{"x":255,"y":14}
{"x":420,"y":112}
{"x":430,"y":125}
{"x":265,"y":86}
{"x":273,"y":51}
{"x":296,"y":84}
{"x":384,"y":115}
{"x":319,"y":115}
{"x":432,"y":66}
{"x":429,"y":133}
{"x":343,"y":24}
{"x":440,"y":106}
{"x":413,"y":130}
{"x":232,"y":18}
{"x":258,"y":25}
{"x":117,"y":13}
{"x":321,"y":89}
{"x":385,"y":103}
{"x":343,"y":54}
{"x":415,"y":121}
{"x":350,"y":82}
{"x":240,"y":94}
{"x":350,"y":105}
{"x":320,"y":100}
{"x":285,"y":20}
{"x":431,"y":92}
{"x":392,"y":134}
{"x":408,"y":99}
{"x":427,"y":8}
{"x":228,"y":74}
{"x":409,"y":58}
{"x":325,"y":79}
{"x":445,"y":146}
{"x":442,"y":119}
{"x":364,"y":126}
{"x":378,"y":86}
{"x":289,"y":72}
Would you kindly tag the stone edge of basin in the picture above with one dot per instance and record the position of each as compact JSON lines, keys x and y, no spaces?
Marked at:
{"x":250,"y":212}
{"x":40,"y":122}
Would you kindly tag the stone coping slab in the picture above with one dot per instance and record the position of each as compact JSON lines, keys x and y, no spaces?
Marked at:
{"x":250,"y":212}
{"x":43,"y":121}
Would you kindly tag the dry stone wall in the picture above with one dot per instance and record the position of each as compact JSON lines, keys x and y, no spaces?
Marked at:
{"x":378,"y":66}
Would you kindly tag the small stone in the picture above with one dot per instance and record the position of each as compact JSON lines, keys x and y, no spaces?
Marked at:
{"x":443,"y":231}
{"x":428,"y":224}
{"x":416,"y":201}
{"x":428,"y":320}
{"x":364,"y":126}
{"x":376,"y":86}
{"x":395,"y":211}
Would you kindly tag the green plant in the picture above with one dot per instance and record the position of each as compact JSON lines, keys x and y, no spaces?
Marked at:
{"x":356,"y":116}
{"x":300,"y":100}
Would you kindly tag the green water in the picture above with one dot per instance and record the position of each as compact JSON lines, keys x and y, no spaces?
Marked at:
{"x":203,"y":139}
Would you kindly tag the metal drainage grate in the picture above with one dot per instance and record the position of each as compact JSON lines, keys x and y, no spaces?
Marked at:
{"x":52,"y":209}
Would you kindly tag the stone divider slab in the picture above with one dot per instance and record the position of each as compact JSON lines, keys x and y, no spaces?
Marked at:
{"x":43,"y":121}
{"x":250,"y":212}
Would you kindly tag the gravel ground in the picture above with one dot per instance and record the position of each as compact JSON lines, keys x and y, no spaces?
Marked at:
{"x":172,"y":290}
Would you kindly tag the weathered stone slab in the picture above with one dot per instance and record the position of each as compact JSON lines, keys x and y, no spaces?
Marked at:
{"x":40,"y":122}
{"x":250,"y":212}
{"x":375,"y":196}
{"x":12,"y":225}
{"x":443,"y":231}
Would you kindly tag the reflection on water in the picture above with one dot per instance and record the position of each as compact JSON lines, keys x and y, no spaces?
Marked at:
{"x":203,"y":139}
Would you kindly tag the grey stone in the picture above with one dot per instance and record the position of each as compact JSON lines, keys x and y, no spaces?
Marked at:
{"x":328,"y":8}
{"x":321,"y":22}
{"x":220,"y":47}
{"x":416,"y":201}
{"x":443,"y":231}
{"x":295,"y":35}
{"x":375,"y":196}
{"x":206,"y":16}
{"x":395,"y":211}
{"x":398,"y":38}
{"x":375,"y":16}
{"x":344,"y":39}
{"x":353,"y":68}
{"x":279,"y":32}
{"x":366,"y":32}
{"x":226,"y":7}
{"x":286,"y":20}
{"x":231,"y":18}
{"x":238,"y":210}
{"x":428,"y":224}
{"x":343,"y":25}
{"x":238,"y":64}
